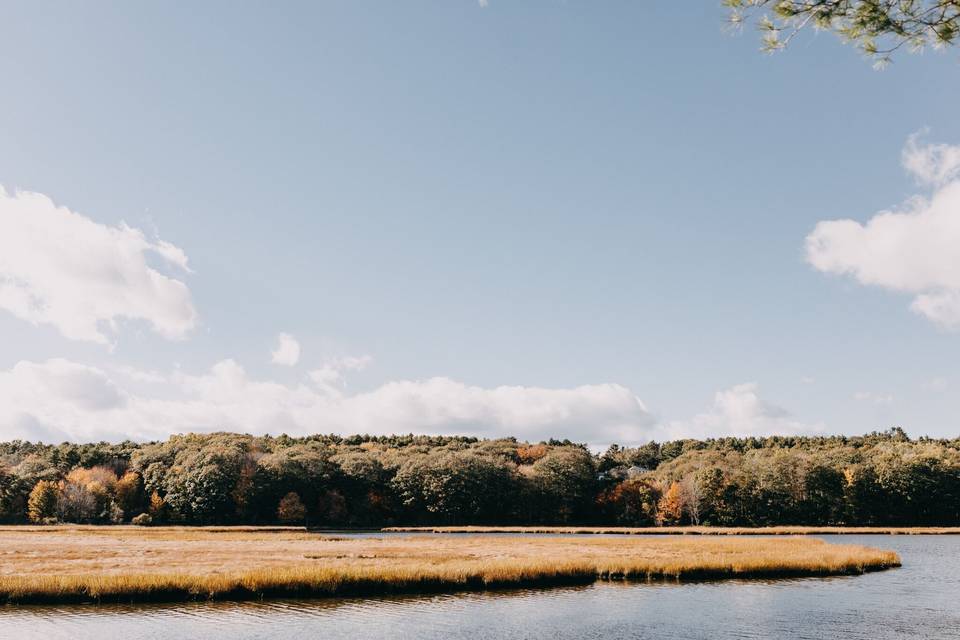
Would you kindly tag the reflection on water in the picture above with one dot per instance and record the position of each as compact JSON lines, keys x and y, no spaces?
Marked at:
{"x":919,"y":600}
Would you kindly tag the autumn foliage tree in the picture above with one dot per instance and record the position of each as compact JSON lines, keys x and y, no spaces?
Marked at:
{"x":670,"y":509}
{"x":875,"y":479}
{"x":158,"y":509}
{"x":631,"y":502}
{"x":291,"y":509}
{"x":42,"y":504}
{"x":128,"y":494}
{"x":87,"y":495}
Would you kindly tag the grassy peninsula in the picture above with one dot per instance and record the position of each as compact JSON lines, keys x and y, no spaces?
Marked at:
{"x":127,"y":564}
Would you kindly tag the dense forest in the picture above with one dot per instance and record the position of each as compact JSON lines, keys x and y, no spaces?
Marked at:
{"x":364,"y":481}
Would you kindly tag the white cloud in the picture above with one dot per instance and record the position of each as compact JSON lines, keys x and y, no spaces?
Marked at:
{"x":937,"y":384}
{"x":932,"y":164}
{"x":139,"y":375}
{"x":287,"y":352}
{"x":912,"y":249}
{"x":173,"y":254}
{"x":60,"y":399}
{"x":942,"y":308}
{"x":873,"y":397}
{"x":739,"y":411}
{"x":331,"y":373}
{"x":62,"y":269}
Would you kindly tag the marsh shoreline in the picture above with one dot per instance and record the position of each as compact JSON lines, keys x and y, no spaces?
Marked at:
{"x":782,"y":530}
{"x":171,"y":564}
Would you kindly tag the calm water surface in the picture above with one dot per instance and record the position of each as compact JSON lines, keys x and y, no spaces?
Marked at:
{"x":919,"y":600}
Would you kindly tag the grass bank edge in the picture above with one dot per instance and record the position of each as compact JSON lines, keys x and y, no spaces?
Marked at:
{"x":322,"y":582}
{"x":782,"y":530}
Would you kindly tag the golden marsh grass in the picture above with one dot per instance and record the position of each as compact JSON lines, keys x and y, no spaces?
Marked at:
{"x":64,"y":564}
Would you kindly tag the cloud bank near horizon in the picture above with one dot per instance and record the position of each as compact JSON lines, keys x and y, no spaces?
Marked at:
{"x":740,"y":411}
{"x":86,"y":280}
{"x":60,"y":400}
{"x":63,"y":400}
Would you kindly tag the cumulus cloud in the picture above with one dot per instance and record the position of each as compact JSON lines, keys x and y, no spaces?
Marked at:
{"x":65,"y":400}
{"x":58,"y":399}
{"x":873,"y":397}
{"x":931,"y":164}
{"x":287,"y":352}
{"x":911,"y":249}
{"x":739,"y":411}
{"x":139,"y":375}
{"x":62,"y":269}
{"x":332,"y":371}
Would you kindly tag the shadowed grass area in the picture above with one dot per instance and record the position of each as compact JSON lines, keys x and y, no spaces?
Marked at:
{"x":127,"y":564}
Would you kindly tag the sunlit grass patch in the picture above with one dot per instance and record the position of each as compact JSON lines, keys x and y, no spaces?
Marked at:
{"x":125,"y":564}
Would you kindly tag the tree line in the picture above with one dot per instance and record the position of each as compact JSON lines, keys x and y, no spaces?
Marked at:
{"x":365,"y":481}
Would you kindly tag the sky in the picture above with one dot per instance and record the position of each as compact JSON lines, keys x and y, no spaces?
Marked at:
{"x":536,"y":219}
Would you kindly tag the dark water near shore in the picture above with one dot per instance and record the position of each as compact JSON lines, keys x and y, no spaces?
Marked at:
{"x":919,"y":600}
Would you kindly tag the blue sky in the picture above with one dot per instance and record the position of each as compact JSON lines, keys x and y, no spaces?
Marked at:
{"x":526,"y":218}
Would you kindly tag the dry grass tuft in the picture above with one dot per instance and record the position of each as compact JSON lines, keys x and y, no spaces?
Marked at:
{"x":128,"y":564}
